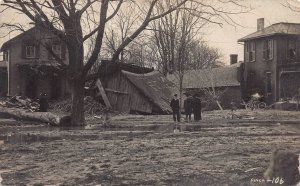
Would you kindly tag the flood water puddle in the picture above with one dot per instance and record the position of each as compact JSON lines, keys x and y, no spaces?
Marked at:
{"x":16,"y":138}
{"x":148,"y":127}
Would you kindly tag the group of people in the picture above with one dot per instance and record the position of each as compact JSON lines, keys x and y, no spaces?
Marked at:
{"x":192,"y":104}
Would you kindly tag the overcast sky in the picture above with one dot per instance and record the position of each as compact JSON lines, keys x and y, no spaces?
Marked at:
{"x":225,"y":38}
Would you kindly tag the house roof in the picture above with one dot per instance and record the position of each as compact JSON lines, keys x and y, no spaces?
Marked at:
{"x":275,"y":29}
{"x":108,"y":68}
{"x":7,"y":43}
{"x":154,"y":86}
{"x":206,"y":78}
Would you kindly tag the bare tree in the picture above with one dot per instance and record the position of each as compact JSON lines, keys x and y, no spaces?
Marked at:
{"x":66,"y":18}
{"x":213,"y":94}
{"x":120,"y":28}
{"x":293,"y":5}
{"x":202,"y":56}
{"x":74,"y":22}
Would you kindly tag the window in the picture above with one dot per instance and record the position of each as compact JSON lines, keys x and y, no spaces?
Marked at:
{"x":268,"y":83}
{"x":268,"y":50}
{"x":250,"y":51}
{"x":291,"y":49}
{"x":30,"y":51}
{"x":56,"y":50}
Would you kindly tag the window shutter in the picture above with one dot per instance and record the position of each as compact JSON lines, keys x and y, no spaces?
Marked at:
{"x":265,"y":50}
{"x":271,"y":49}
{"x":247,"y":56}
{"x":247,"y":52}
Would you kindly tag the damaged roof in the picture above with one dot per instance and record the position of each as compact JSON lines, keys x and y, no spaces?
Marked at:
{"x":108,"y":68}
{"x":275,"y":29}
{"x":154,"y":86}
{"x":206,"y":78}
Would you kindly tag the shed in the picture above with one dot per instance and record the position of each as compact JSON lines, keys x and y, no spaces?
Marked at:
{"x":225,"y":79}
{"x":136,"y":90}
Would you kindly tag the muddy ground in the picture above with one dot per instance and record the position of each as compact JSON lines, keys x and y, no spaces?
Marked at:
{"x":144,"y":150}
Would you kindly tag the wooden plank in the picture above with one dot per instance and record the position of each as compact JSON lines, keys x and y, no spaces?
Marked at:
{"x":103,"y":94}
{"x":115,"y":91}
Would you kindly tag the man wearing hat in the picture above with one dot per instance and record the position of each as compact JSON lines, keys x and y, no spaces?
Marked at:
{"x":197,"y":107}
{"x":175,"y":108}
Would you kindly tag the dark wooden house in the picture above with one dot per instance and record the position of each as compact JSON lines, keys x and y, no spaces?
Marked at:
{"x":133,"y":89}
{"x":31,"y":69}
{"x":272,"y":61}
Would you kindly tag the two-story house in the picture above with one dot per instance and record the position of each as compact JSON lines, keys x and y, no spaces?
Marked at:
{"x":272,"y":61}
{"x":32,"y":66}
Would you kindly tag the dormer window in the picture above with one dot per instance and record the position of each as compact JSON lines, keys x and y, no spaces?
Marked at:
{"x":291,"y":49}
{"x":268,"y":49}
{"x":250,"y":51}
{"x":30,"y":51}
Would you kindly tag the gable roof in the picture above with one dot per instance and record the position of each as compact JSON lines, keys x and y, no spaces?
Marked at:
{"x":7,"y":43}
{"x":206,"y":78}
{"x":154,"y":86}
{"x":275,"y":29}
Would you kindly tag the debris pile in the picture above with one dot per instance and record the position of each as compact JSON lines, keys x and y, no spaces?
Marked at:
{"x":20,"y":102}
{"x":91,"y":106}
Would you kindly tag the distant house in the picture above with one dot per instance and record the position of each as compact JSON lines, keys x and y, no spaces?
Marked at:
{"x":31,"y":68}
{"x":225,"y":81}
{"x":133,"y":89}
{"x":272,"y":61}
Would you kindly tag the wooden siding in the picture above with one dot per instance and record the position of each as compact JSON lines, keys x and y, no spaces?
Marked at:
{"x":124,"y":96}
{"x":17,"y":82}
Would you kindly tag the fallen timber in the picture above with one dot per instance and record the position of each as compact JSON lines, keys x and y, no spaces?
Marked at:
{"x":45,"y":117}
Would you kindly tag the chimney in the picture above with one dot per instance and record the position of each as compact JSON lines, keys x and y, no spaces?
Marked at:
{"x":260,"y":24}
{"x":233,"y":59}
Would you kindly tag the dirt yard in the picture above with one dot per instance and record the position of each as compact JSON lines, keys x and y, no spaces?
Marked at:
{"x":144,"y":150}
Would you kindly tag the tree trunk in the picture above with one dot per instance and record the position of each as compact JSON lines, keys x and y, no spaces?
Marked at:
{"x":77,"y":114}
{"x":76,"y":77}
{"x":46,"y":117}
{"x":77,"y":81}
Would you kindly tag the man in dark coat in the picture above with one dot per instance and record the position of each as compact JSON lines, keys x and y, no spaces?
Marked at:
{"x":188,"y":102}
{"x":175,"y":108}
{"x":197,"y":108}
{"x":43,"y":102}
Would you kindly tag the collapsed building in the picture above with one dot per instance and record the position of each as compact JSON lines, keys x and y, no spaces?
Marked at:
{"x":133,"y":89}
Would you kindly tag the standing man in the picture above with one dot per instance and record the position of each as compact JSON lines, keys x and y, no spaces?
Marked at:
{"x":175,"y":108}
{"x":188,"y":108}
{"x":43,"y":101}
{"x":197,"y":108}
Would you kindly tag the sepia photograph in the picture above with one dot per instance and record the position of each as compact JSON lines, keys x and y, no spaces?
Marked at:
{"x":150,"y":92}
